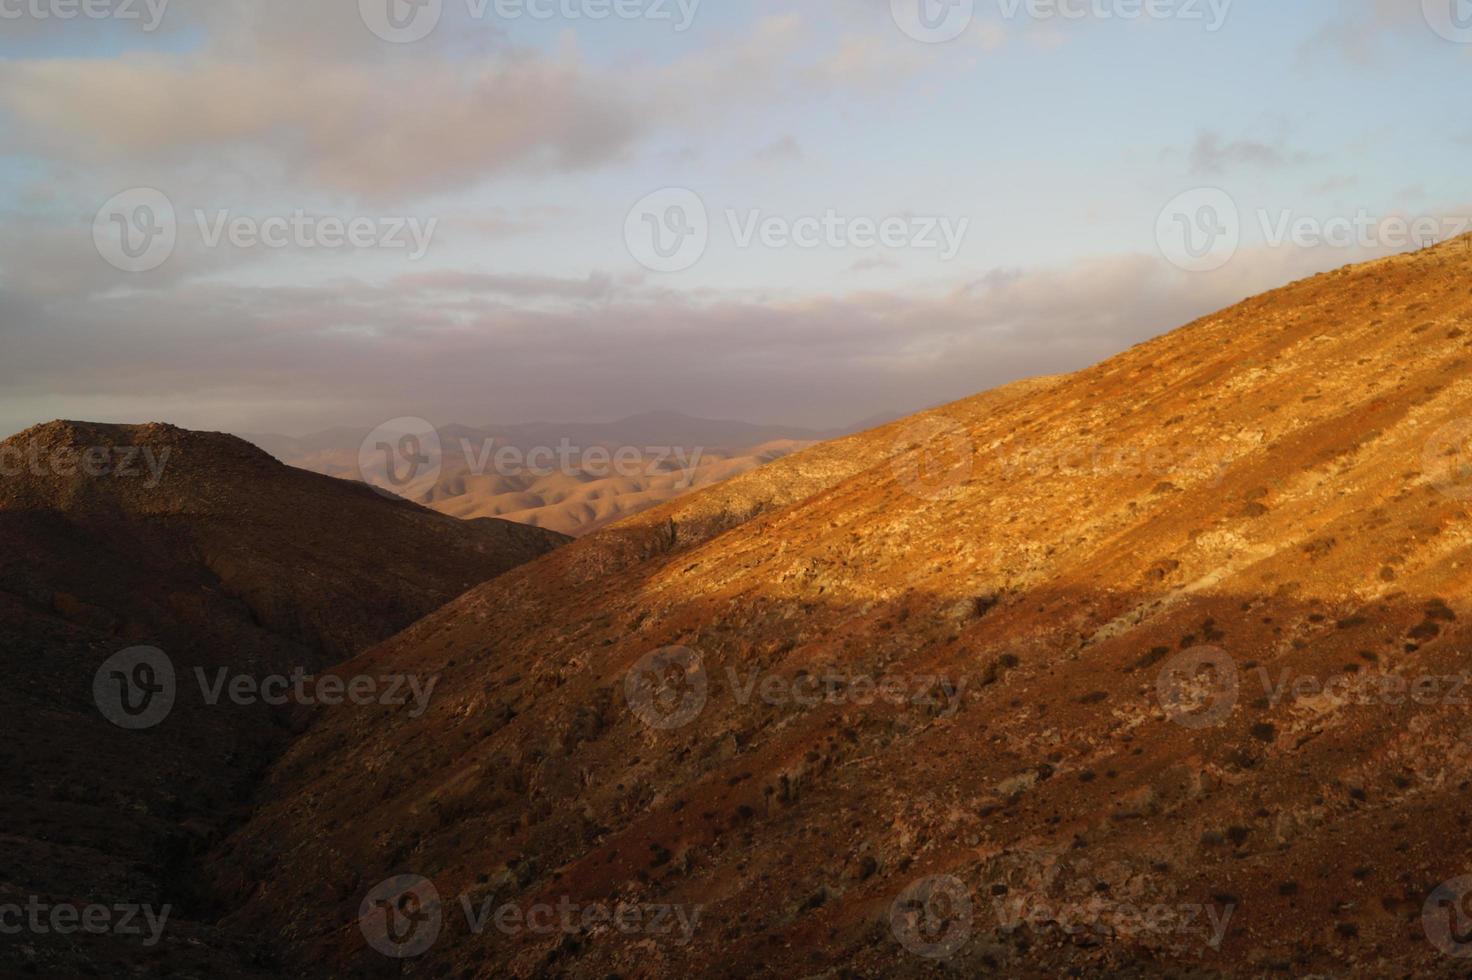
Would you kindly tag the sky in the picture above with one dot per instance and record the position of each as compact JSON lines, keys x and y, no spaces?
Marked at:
{"x":285,"y":216}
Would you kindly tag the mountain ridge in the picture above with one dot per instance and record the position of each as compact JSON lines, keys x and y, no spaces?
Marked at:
{"x":169,"y":561}
{"x":1270,"y":482}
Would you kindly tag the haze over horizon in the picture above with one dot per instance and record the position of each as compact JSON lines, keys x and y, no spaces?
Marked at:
{"x":515,"y":152}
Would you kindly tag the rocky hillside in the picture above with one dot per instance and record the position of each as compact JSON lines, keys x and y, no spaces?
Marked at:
{"x":207,"y":555}
{"x":1155,"y":668}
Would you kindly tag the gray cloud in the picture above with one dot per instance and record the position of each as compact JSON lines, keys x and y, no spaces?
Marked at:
{"x":1214,"y":154}
{"x":470,"y":347}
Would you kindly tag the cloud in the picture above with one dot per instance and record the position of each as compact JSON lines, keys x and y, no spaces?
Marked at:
{"x":457,"y":346}
{"x":1357,"y":29}
{"x":1332,"y":184}
{"x":1213,"y":154}
{"x":369,"y":132}
{"x":784,"y":149}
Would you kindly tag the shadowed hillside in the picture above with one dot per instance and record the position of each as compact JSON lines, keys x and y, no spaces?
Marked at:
{"x":205,"y":551}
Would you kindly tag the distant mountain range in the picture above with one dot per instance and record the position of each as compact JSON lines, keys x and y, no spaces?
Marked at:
{"x":658,"y":428}
{"x":567,"y":477}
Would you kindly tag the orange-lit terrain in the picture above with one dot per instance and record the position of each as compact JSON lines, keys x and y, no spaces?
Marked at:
{"x":1141,"y":629}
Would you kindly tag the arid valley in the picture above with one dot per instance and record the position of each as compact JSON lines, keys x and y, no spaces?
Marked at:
{"x":912,"y":488}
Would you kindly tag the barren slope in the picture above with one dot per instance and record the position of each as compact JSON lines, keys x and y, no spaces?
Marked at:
{"x":1274,"y":489}
{"x":218,"y":556}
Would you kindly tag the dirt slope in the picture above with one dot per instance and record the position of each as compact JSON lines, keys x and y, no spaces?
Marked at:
{"x":1102,"y":611}
{"x":217,"y":556}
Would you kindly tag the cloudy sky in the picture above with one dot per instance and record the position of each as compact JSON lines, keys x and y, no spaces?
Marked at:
{"x":278,"y":215}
